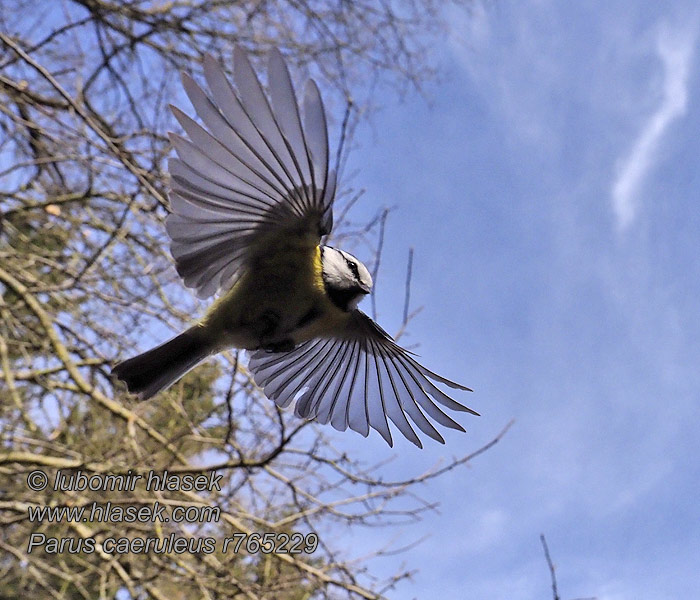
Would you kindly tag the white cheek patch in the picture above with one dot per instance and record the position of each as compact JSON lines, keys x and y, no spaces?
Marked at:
{"x":336,"y":268}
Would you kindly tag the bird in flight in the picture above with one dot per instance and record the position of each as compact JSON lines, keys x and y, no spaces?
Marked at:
{"x":251,"y":199}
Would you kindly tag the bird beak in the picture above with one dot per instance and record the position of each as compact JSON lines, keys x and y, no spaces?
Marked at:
{"x":365,"y":289}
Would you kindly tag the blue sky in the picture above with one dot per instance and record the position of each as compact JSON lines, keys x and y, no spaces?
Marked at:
{"x":551,"y":193}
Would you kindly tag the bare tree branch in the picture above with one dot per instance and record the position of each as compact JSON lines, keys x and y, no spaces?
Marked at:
{"x":86,"y":276}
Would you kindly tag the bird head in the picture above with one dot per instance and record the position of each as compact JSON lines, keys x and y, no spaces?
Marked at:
{"x":345,"y":278}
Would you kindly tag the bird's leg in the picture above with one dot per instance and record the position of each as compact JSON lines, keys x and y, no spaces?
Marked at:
{"x":267,"y":328}
{"x":267,"y":324}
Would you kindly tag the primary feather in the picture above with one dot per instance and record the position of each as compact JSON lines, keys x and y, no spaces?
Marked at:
{"x":253,"y":167}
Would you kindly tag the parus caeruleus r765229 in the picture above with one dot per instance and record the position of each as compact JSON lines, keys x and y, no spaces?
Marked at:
{"x":251,"y":197}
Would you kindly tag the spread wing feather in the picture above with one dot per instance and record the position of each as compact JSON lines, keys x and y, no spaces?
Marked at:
{"x":359,"y":379}
{"x":253,"y":166}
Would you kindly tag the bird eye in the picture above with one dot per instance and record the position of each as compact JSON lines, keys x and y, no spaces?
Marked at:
{"x":353,"y":268}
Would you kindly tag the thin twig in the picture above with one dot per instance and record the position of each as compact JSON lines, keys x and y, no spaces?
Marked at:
{"x":555,"y":592}
{"x":375,"y":270}
{"x":407,"y":298}
{"x":229,"y":401}
{"x":343,"y":134}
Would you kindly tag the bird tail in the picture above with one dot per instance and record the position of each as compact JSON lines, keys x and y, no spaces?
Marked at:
{"x":155,"y":370}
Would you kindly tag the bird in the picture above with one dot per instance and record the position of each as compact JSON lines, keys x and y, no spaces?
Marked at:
{"x":251,"y":200}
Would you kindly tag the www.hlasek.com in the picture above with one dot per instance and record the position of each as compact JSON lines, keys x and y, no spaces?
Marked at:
{"x":164,"y":511}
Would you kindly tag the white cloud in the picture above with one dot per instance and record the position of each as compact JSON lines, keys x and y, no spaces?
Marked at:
{"x":675,"y":50}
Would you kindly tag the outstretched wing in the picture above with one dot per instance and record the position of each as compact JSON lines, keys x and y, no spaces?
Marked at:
{"x":254,"y":169}
{"x":358,"y":380}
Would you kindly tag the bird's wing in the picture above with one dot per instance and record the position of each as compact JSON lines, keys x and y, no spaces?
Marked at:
{"x":254,"y":168}
{"x":357,"y":379}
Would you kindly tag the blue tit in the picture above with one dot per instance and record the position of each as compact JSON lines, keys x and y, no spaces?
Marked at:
{"x":251,"y":197}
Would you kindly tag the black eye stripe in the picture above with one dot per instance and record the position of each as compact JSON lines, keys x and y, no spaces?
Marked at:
{"x":353,"y":268}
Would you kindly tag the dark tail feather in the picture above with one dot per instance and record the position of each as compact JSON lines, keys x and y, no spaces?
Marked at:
{"x":153,"y":371}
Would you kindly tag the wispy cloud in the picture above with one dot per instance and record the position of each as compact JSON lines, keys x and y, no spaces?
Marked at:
{"x":675,"y":50}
